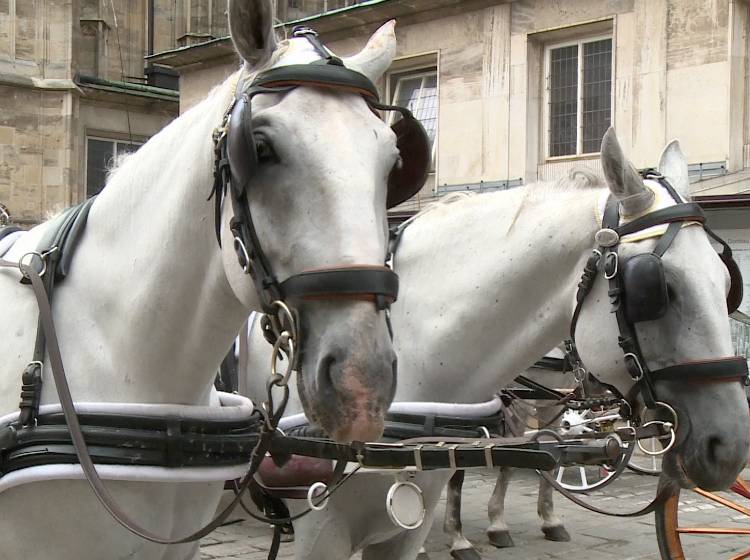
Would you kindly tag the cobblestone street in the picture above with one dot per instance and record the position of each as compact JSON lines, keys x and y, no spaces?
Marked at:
{"x":593,"y":536}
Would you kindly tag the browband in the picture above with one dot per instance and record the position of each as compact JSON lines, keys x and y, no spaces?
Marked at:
{"x":681,"y":212}
{"x":319,"y":75}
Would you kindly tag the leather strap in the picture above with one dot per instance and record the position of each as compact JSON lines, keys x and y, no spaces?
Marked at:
{"x":680,"y":212}
{"x":368,"y":282}
{"x":326,"y":75}
{"x":76,"y":435}
{"x":733,"y":368}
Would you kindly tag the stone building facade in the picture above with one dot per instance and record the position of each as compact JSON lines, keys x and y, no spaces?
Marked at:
{"x":515,"y":91}
{"x":75,"y":93}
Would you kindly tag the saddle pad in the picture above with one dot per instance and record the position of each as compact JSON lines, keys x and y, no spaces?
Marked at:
{"x":7,"y":241}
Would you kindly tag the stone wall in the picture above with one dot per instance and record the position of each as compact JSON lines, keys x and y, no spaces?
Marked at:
{"x":36,"y":160}
{"x":43,"y":44}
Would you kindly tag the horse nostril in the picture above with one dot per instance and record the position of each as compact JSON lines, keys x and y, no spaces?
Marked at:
{"x":325,"y":375}
{"x":714,"y":443}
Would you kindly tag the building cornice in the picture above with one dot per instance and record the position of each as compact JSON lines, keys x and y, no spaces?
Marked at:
{"x":50,"y":84}
{"x":330,"y":25}
{"x":127,"y":88}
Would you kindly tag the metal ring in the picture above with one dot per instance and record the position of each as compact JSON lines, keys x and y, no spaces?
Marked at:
{"x":617,"y":264}
{"x":638,"y":363}
{"x":389,"y":505}
{"x":284,"y":338}
{"x":239,"y":245}
{"x":672,"y":439}
{"x":311,"y":495}
{"x":284,"y":319}
{"x":32,"y":254}
{"x":672,"y":411}
{"x":485,"y":432}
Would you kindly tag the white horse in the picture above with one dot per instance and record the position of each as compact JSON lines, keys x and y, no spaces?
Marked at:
{"x":488,"y":285}
{"x":151,"y":303}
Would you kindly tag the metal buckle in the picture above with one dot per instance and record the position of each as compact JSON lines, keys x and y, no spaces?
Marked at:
{"x":452,"y":455}
{"x":616,"y":260}
{"x":418,"y":457}
{"x":488,"y":455}
{"x":637,"y":363}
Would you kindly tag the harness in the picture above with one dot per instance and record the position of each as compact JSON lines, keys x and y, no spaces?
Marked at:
{"x":638,"y":292}
{"x":66,"y":436}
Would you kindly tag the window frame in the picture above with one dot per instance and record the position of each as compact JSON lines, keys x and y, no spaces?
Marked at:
{"x":579,"y":42}
{"x":393,"y":83}
{"x":115,"y":140}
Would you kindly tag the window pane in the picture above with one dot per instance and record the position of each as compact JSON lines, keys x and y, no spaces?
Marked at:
{"x":597,"y":92}
{"x":563,"y":100}
{"x":419,"y":95}
{"x":124,"y":148}
{"x":99,"y":156}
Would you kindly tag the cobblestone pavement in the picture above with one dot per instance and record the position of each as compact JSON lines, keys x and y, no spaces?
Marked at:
{"x":593,"y":536}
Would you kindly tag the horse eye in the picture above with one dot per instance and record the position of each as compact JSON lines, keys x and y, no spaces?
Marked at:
{"x":671,"y":292}
{"x":264,"y":151}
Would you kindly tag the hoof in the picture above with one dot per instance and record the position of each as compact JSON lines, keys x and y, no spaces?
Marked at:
{"x":423,"y":556}
{"x":500,"y":539}
{"x":556,"y":533}
{"x":466,"y":554}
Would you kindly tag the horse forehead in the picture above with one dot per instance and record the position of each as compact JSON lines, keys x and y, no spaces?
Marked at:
{"x":327,"y":117}
{"x":297,"y":51}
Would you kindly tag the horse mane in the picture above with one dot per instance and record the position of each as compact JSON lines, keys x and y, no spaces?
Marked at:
{"x":576,"y":179}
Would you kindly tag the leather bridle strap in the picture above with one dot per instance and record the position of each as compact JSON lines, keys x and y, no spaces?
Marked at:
{"x":680,"y":212}
{"x":733,"y":368}
{"x":378,"y":283}
{"x":76,"y":434}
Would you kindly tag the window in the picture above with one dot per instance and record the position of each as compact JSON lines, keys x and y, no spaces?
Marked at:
{"x":101,"y":156}
{"x":417,"y":91}
{"x":579,"y":96}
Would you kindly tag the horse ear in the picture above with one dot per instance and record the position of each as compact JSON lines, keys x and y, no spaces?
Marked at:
{"x":251,"y":28}
{"x":378,"y":53}
{"x":673,"y":165}
{"x":623,"y":180}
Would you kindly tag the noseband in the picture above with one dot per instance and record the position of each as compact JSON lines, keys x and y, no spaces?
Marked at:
{"x":638,"y":292}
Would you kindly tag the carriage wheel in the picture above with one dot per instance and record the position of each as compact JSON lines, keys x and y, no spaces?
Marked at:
{"x":583,"y":479}
{"x":672,"y":535}
{"x":646,"y":464}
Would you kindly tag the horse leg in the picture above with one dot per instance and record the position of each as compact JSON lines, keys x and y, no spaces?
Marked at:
{"x":461,"y":548}
{"x":498,"y":532}
{"x":552,"y":525}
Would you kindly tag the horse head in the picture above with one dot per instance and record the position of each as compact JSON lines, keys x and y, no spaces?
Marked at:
{"x":670,"y":296}
{"x":313,"y":164}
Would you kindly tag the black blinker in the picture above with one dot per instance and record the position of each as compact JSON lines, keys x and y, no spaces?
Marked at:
{"x":646,"y":297}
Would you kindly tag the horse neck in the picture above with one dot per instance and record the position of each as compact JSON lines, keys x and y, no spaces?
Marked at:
{"x":488,"y":286}
{"x":149,"y":275}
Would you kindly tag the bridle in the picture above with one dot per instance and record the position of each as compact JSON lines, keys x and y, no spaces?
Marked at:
{"x":632,"y":303}
{"x":235,"y":162}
